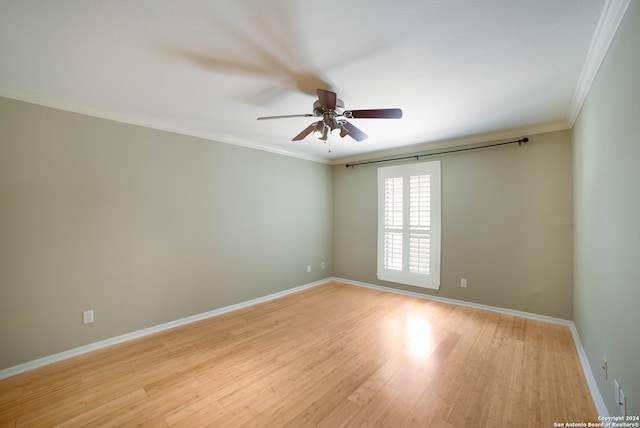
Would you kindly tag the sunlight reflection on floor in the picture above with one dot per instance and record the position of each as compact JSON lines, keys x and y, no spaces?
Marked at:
{"x":418,"y":339}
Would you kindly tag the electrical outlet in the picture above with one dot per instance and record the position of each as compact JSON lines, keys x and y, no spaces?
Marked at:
{"x":87,"y":317}
{"x":323,"y":265}
{"x":622,"y":402}
{"x":308,"y":268}
{"x":605,"y":369}
{"x":463,"y":282}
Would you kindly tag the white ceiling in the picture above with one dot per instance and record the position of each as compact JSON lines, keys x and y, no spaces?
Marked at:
{"x":458,"y":69}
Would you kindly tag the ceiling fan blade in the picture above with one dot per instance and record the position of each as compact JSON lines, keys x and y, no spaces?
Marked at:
{"x":285,"y":116}
{"x":306,"y":132}
{"x":385,"y":113}
{"x":327,"y":99}
{"x":354,"y":132}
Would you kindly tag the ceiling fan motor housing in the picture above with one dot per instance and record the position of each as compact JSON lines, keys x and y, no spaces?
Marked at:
{"x":318,"y":110}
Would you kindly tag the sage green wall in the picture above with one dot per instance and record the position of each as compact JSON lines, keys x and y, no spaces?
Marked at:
{"x":506,"y":226}
{"x":142,"y":226}
{"x":607,"y":217}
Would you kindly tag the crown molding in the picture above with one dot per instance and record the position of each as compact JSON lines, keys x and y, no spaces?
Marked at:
{"x":146,"y":122}
{"x":610,"y":18}
{"x":612,"y":13}
{"x":227,"y":139}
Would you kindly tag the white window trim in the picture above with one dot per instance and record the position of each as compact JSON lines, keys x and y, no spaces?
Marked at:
{"x":431,"y":280}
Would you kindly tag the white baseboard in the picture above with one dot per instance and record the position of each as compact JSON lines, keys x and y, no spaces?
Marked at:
{"x":21,"y":368}
{"x":595,"y":392}
{"x":588,"y":373}
{"x":586,"y":367}
{"x":514,"y":312}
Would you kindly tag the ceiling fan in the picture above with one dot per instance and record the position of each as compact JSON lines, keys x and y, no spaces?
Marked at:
{"x":333,"y":117}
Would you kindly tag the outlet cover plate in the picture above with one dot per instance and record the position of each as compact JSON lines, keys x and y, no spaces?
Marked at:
{"x":87,"y":317}
{"x":622,"y":403}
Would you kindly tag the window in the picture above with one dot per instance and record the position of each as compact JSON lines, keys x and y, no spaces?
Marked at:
{"x":409,"y":224}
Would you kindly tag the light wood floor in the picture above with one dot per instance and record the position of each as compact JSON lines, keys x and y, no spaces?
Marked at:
{"x":333,"y":355}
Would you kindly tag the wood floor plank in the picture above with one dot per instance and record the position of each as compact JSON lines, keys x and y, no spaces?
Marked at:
{"x":334,"y":355}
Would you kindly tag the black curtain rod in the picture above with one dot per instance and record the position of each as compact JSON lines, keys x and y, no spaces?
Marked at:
{"x":416,"y":157}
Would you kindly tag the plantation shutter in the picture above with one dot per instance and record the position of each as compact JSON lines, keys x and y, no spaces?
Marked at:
{"x":419,"y":215}
{"x":409,"y":224}
{"x":393,"y":220}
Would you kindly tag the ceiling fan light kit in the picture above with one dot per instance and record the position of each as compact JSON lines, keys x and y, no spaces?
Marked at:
{"x":319,"y":129}
{"x":333,"y":118}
